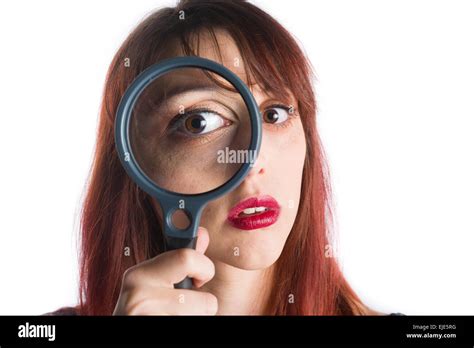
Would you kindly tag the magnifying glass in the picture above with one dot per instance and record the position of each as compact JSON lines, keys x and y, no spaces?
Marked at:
{"x":187,"y":131}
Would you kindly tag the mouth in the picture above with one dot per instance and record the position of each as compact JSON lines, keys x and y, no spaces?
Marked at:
{"x":254,"y":213}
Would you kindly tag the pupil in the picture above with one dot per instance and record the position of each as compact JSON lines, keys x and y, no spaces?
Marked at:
{"x":196,"y":124}
{"x":272,"y":116}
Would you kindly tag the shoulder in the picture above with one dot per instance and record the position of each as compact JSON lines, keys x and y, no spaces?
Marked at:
{"x":64,"y":311}
{"x":372,"y":312}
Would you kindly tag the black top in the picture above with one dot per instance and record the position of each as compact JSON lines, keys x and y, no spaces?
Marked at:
{"x":74,"y":311}
{"x":64,"y":311}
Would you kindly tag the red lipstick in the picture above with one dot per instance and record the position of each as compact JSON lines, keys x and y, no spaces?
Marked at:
{"x":254,"y":212}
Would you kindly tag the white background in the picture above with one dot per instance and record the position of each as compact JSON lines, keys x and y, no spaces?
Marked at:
{"x":396,"y":114}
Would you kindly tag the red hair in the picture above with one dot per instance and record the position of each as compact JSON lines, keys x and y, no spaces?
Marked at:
{"x":117,"y":214}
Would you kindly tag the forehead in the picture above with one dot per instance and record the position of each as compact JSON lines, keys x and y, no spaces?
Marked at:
{"x":221,"y":48}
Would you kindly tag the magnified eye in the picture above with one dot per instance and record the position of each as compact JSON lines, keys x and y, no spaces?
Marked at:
{"x":197,"y":122}
{"x":276,"y":114}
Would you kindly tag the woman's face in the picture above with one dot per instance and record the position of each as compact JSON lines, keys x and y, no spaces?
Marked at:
{"x":251,"y":236}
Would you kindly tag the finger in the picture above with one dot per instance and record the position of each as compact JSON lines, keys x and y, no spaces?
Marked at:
{"x":170,"y":268}
{"x":202,"y":240}
{"x":201,"y":246}
{"x":175,"y":302}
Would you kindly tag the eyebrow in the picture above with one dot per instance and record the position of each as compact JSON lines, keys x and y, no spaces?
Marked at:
{"x":177,"y":90}
{"x":157,"y":96}
{"x":201,"y":86}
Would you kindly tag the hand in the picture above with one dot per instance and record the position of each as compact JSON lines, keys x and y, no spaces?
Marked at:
{"x":147,"y":288}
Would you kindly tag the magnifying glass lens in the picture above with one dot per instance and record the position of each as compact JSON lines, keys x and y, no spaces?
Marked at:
{"x":190,"y":131}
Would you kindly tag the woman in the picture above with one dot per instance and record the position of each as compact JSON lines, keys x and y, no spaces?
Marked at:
{"x":279,"y":269}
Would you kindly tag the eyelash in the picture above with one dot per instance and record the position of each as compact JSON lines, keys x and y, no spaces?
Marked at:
{"x":177,"y":118}
{"x":202,"y":139}
{"x":287,"y":108}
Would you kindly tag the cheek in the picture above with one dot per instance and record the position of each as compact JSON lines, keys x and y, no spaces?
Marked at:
{"x":290,"y":153}
{"x":288,"y":169}
{"x":286,"y":166}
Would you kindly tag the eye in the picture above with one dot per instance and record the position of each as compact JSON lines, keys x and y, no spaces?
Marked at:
{"x":276,"y":114}
{"x":197,"y":122}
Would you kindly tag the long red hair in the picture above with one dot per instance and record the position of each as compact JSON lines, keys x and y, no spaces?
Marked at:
{"x":117,"y":214}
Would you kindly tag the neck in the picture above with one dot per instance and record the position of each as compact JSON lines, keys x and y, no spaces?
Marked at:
{"x":238,"y":291}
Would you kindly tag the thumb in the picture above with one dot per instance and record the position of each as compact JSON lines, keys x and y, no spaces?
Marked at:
{"x":201,"y":245}
{"x":202,"y":240}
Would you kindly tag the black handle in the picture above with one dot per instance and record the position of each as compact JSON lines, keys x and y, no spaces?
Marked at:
{"x":173,"y":243}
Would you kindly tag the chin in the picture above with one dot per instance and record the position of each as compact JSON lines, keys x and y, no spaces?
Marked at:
{"x":251,"y":257}
{"x":251,"y":263}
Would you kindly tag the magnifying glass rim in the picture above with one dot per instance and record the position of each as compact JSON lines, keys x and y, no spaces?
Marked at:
{"x":124,"y":113}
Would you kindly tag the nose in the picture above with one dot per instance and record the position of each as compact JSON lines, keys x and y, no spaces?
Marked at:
{"x":260,"y":162}
{"x":259,"y":166}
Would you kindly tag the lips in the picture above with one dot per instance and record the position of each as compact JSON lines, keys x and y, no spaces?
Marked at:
{"x":254,"y":213}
